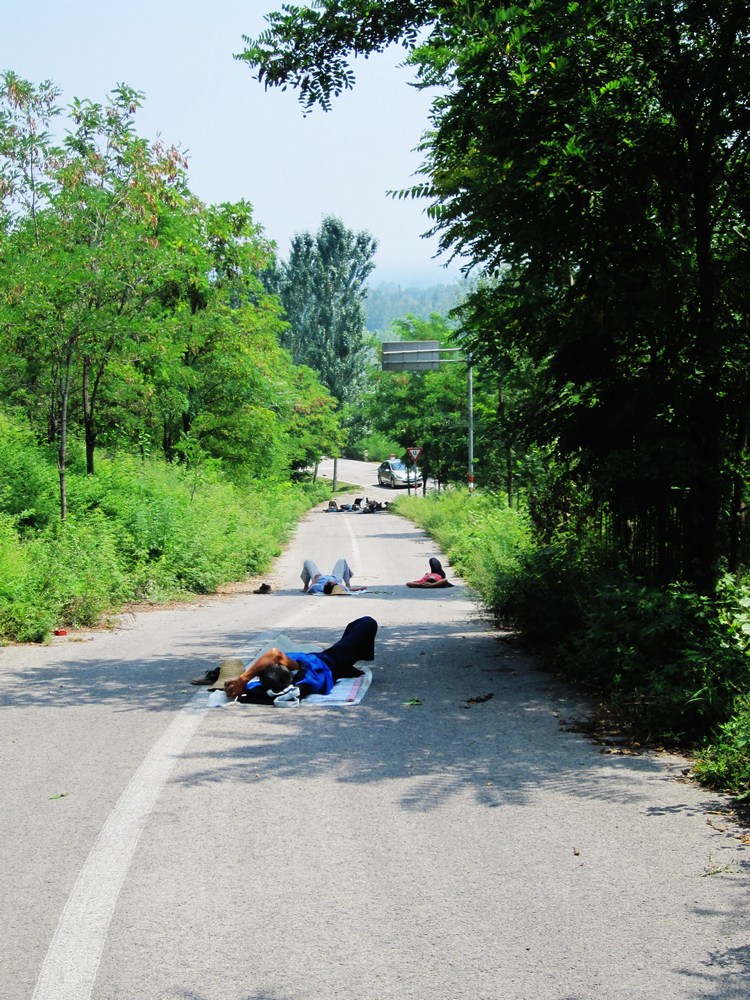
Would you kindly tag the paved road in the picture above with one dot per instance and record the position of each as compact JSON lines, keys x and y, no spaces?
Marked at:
{"x":364,"y":474}
{"x":421,"y":845}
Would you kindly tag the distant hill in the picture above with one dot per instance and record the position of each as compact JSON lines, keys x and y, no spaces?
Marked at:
{"x":389,"y":301}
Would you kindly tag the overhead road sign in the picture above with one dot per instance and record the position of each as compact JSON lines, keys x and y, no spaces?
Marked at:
{"x":411,"y":356}
{"x":424,"y":356}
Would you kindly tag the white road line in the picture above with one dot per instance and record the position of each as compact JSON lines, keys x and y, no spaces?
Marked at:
{"x":73,"y":958}
{"x":355,"y":545}
{"x":74,"y":955}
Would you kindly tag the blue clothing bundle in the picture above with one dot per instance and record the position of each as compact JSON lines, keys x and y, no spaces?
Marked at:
{"x":315,"y":675}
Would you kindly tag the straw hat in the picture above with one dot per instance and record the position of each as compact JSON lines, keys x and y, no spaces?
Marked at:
{"x":228,"y":670}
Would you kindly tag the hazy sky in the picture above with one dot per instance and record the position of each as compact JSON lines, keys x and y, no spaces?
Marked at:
{"x":244,"y":141}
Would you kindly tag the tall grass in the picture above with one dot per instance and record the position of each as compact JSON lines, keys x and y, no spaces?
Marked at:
{"x":136,"y":531}
{"x":672,"y":664}
{"x":483,"y":537}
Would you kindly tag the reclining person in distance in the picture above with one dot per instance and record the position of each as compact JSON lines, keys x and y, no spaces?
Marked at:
{"x":338,"y":581}
{"x":435,"y":578}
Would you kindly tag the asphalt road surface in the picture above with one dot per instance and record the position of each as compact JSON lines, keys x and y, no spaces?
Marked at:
{"x":364,"y":474}
{"x":450,"y":838}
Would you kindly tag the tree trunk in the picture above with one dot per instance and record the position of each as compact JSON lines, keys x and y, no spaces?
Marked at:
{"x":62,"y":455}
{"x":738,"y":512}
{"x":88,"y":418}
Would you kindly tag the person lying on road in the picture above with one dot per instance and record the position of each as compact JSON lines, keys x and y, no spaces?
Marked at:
{"x":274,"y":672}
{"x":338,"y":580}
{"x":435,"y":578}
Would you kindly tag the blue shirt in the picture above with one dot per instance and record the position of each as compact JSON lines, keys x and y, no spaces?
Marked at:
{"x":313,"y":677}
{"x":317,"y":587}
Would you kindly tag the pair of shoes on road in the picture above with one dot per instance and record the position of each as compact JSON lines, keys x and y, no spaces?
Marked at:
{"x":210,"y":677}
{"x":265,"y":588}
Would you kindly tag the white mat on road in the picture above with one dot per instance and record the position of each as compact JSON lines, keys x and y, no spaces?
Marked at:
{"x":347,"y":691}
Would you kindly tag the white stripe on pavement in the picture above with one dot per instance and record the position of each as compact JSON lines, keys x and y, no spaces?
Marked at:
{"x":73,"y":958}
{"x":355,"y":545}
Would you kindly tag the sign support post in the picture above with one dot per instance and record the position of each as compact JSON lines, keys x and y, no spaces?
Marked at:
{"x":426,"y":355}
{"x":413,"y":454}
{"x":471,"y":426}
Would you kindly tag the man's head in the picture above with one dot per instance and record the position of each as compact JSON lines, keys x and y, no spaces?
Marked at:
{"x":276,"y":678}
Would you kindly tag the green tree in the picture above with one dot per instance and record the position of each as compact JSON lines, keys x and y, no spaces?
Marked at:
{"x":130,"y":312}
{"x":322,"y":289}
{"x":593,"y":159}
{"x":425,"y":409}
{"x":313,"y":428}
{"x":213,"y":375}
{"x":82,"y":267}
{"x":28,"y":153}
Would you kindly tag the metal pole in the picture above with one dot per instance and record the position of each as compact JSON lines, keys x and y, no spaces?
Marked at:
{"x":471,"y":426}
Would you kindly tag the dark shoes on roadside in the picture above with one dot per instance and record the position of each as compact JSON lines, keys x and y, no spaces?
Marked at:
{"x":210,"y":677}
{"x":265,"y":588}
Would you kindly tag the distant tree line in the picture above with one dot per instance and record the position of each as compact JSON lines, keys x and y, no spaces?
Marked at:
{"x":388,"y":302}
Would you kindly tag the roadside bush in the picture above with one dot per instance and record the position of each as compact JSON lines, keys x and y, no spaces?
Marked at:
{"x":68,"y":575}
{"x":223,"y":535}
{"x":725,"y":763}
{"x":483,"y":537}
{"x":23,"y":617}
{"x":77,"y":571}
{"x":28,"y":480}
{"x":140,"y":531}
{"x":545,"y":595}
{"x":668,"y":659}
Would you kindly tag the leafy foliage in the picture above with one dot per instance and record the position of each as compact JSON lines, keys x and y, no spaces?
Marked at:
{"x":322,"y":289}
{"x":132,"y":315}
{"x":27,"y":481}
{"x":673,"y":663}
{"x":307,"y":47}
{"x":137,"y":531}
{"x":724,"y":763}
{"x":670,"y":660}
{"x":583,"y":159}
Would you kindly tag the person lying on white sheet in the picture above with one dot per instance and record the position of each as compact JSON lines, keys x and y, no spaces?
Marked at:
{"x":309,"y":673}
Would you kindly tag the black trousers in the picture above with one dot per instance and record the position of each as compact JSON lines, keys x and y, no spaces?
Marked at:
{"x":357,"y":643}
